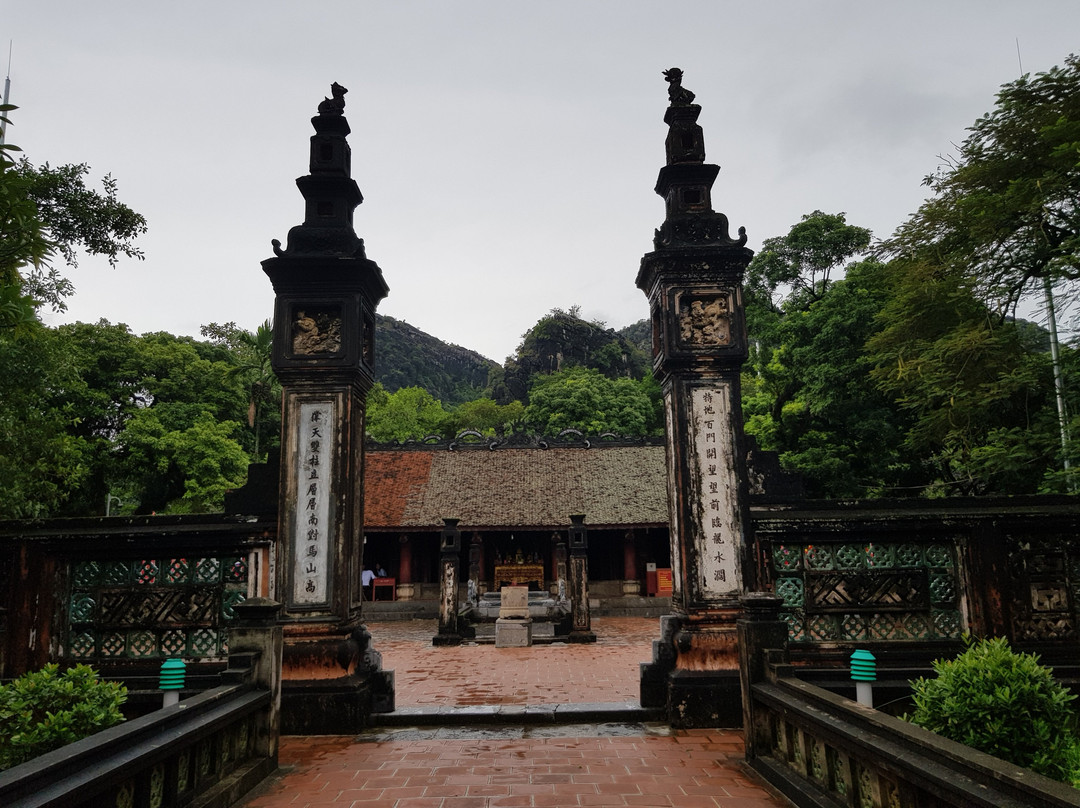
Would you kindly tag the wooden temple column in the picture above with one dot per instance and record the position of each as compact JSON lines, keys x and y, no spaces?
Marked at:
{"x":631,"y":585}
{"x":693,"y":280}
{"x":326,"y":291}
{"x":406,"y":590}
{"x":482,"y":581}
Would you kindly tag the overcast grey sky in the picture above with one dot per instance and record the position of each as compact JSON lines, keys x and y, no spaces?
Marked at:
{"x":506,"y":150}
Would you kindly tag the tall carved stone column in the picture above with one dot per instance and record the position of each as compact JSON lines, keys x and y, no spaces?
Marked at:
{"x":581,"y":622}
{"x":324,"y":322}
{"x":450,"y":562}
{"x":693,"y":280}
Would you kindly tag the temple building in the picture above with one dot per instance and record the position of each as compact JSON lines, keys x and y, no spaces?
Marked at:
{"x":514,"y":501}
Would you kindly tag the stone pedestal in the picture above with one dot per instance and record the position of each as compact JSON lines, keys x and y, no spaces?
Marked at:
{"x":513,"y":632}
{"x":257,"y":630}
{"x":406,"y":591}
{"x":631,"y":589}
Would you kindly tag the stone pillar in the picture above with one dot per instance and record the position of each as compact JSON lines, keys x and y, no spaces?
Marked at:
{"x":631,"y":585}
{"x":406,"y":590}
{"x":580,"y":622}
{"x":326,"y":293}
{"x":450,"y":554}
{"x":693,"y":280}
{"x":760,"y":630}
{"x":257,"y":631}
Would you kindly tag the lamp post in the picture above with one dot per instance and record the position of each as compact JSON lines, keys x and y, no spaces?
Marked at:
{"x":109,"y":501}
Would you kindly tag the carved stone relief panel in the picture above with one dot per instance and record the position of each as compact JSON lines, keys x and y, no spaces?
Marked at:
{"x":704,"y":319}
{"x":316,"y":330}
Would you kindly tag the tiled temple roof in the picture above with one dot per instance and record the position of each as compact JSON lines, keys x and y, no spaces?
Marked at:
{"x":514,"y":487}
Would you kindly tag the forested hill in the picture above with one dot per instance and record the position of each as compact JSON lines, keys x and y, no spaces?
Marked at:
{"x":562,"y":340}
{"x":405,"y":356}
{"x":638,"y":334}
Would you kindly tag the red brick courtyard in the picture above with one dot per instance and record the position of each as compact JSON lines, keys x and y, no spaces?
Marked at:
{"x":541,"y":765}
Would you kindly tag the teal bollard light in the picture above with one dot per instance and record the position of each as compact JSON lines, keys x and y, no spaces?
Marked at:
{"x":171,"y":681}
{"x":863,"y":673}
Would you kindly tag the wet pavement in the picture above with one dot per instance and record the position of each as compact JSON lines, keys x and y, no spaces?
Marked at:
{"x":604,"y":671}
{"x":463,"y":763}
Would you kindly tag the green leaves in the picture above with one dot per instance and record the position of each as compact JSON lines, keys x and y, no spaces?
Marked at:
{"x":586,"y":400}
{"x":1002,"y":703}
{"x":808,"y":393}
{"x":1004,"y":212}
{"x":78,"y":218}
{"x":789,"y":271}
{"x":92,"y":411}
{"x":410,"y":413}
{"x":44,"y":710}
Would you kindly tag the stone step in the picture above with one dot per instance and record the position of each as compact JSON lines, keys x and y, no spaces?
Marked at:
{"x":388,"y":610}
{"x":519,"y":714}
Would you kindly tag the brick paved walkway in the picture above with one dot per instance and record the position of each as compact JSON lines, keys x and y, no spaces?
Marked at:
{"x":545,"y":765}
{"x":650,"y":766}
{"x":604,"y":671}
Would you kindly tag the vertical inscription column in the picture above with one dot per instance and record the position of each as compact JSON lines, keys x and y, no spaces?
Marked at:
{"x":312,"y":564}
{"x":719,"y":529}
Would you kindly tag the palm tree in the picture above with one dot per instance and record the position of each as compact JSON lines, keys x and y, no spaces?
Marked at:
{"x":252,"y":352}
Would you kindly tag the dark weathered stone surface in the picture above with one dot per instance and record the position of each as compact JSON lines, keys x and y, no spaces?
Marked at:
{"x":693,"y":280}
{"x":326,"y":294}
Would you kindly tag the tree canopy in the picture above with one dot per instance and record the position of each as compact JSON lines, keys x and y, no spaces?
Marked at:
{"x":1003,"y":224}
{"x":808,"y":394}
{"x":1005,"y":210}
{"x":586,"y":400}
{"x":94,"y":414}
{"x":46,"y":211}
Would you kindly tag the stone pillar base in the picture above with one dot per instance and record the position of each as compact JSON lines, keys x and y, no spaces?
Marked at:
{"x":698,"y":699}
{"x":406,"y":591}
{"x":446,"y":639}
{"x":631,"y":589}
{"x":513,"y":633}
{"x":341,"y":706}
{"x":694,"y":673}
{"x":581,"y":636}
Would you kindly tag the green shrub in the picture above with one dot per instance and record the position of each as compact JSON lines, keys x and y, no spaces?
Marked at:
{"x":46,"y":709}
{"x":1003,"y":703}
